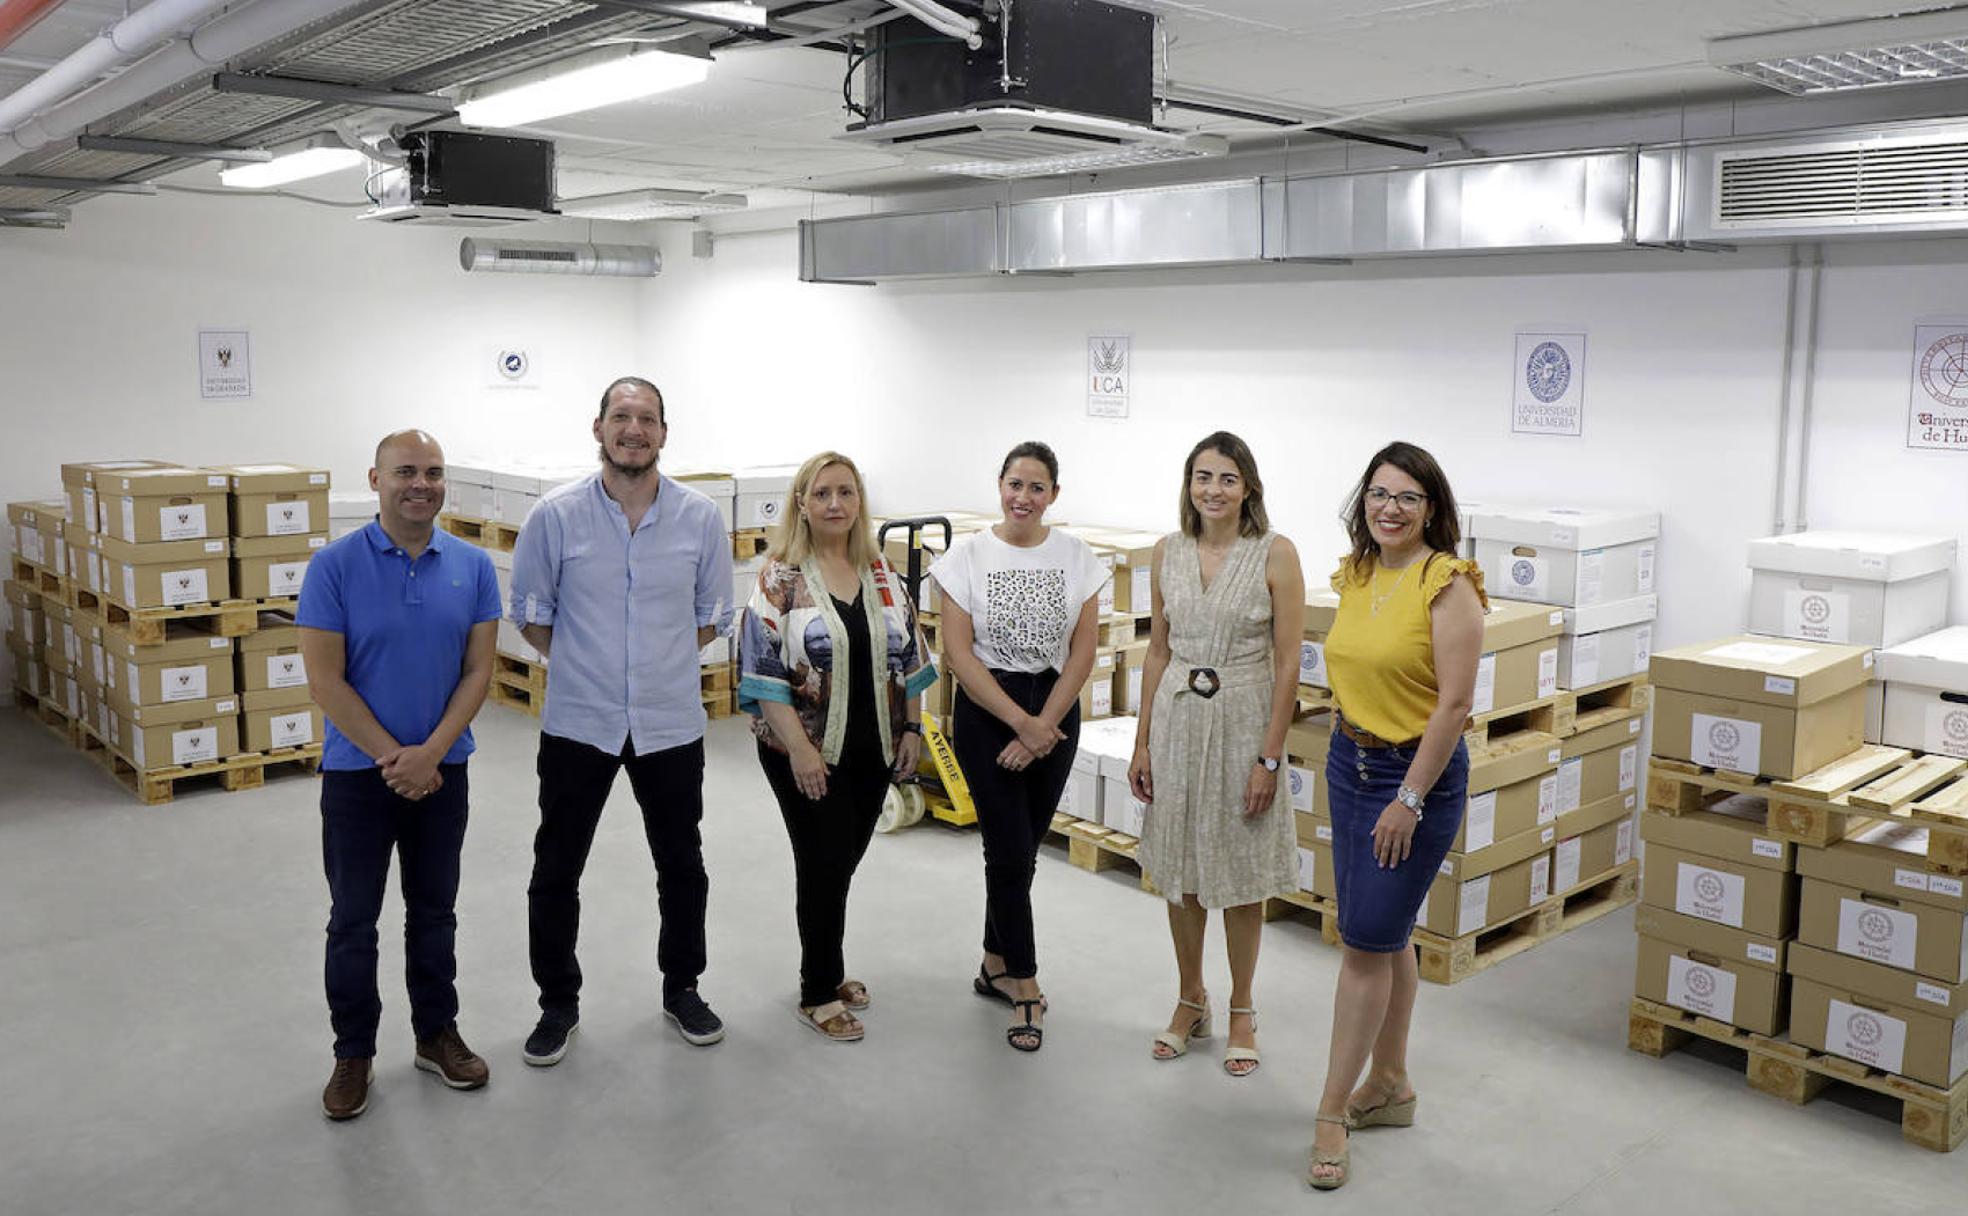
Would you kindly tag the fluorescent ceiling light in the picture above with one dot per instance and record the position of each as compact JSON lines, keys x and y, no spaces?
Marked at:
{"x":311,"y":161}
{"x":651,"y":204}
{"x":585,"y":82}
{"x":1847,"y":55}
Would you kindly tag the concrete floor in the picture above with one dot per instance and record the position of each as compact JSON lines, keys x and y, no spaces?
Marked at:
{"x":167,"y":1042}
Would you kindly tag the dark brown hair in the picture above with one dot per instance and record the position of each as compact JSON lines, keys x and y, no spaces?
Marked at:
{"x":1256,"y":521}
{"x":1032,"y":449}
{"x":633,"y":382}
{"x":1442,"y":532}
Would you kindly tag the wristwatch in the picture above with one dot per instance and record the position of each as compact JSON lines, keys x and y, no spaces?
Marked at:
{"x":1410,"y":799}
{"x":1270,"y":763}
{"x":912,"y":728}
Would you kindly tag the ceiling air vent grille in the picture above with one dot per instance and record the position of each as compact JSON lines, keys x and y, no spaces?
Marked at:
{"x":1854,"y":186}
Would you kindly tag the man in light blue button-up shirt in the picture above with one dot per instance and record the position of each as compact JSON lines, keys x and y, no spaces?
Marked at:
{"x":621,"y":578}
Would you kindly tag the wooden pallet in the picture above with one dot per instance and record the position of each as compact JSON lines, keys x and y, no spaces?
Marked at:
{"x":1094,"y":848}
{"x":1312,"y":701}
{"x":719,"y":703}
{"x":1821,"y":808}
{"x":719,"y":677}
{"x":1929,"y":1117}
{"x":1324,"y":913}
{"x":39,"y":578}
{"x":150,"y":626}
{"x":748,"y":543}
{"x":1447,"y":960}
{"x":1583,"y":709}
{"x":485,"y":533}
{"x":1506,"y":730}
{"x":154,"y":787}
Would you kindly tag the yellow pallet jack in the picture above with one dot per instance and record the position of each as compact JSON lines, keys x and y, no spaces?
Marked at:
{"x":938,"y":785}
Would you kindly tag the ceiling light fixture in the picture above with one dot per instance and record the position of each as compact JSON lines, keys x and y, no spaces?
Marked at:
{"x":321,"y":155}
{"x":650,"y":204}
{"x":1844,"y":56}
{"x":585,"y":82}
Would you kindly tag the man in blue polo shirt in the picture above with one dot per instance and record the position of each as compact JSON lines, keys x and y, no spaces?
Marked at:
{"x":624,"y":575}
{"x":398,"y":623}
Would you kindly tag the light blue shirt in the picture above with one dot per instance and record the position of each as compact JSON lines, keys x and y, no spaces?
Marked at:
{"x":625,"y":608}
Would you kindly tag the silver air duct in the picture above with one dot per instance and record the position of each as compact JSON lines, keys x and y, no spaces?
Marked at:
{"x":555,"y":257}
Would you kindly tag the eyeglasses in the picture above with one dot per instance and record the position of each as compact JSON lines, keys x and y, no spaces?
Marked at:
{"x":1408,"y":499}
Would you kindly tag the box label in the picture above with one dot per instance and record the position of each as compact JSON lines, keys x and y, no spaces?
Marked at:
{"x":1630,"y":765}
{"x":1643,"y":647}
{"x":1312,"y":664}
{"x":1697,"y":988}
{"x":1479,"y":822}
{"x":1568,"y":862}
{"x":290,"y":730}
{"x":1623,"y":842}
{"x":1874,"y":1039}
{"x":1304,"y":793}
{"x":1644,"y":571}
{"x":1709,"y":895}
{"x":177,"y":523}
{"x":1947,"y":729}
{"x":1729,"y":743}
{"x":1541,"y":879}
{"x":136,"y":743}
{"x":1308,"y":868}
{"x":1912,"y":880}
{"x":1772,"y":849}
{"x":1473,"y":906}
{"x":1571,"y":779}
{"x":1486,"y":685}
{"x":288,"y":518}
{"x":194,"y":746}
{"x":179,"y":684}
{"x":1526,"y":578}
{"x":1760,"y":953}
{"x":1322,"y":833}
{"x":1933,"y":994}
{"x":129,"y":585}
{"x":185,"y":586}
{"x":1817,"y":616}
{"x":1781,"y":686}
{"x":1103,"y":698}
{"x":1548,"y":672}
{"x":285,"y":579}
{"x":1940,"y":884}
{"x":1880,"y":935}
{"x":1591,"y":582}
{"x":1547,"y":798}
{"x":1759,"y":654}
{"x":1585,"y":660}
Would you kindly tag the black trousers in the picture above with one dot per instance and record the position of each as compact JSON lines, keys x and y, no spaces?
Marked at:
{"x":1014,"y":809}
{"x":362,"y":822}
{"x":829,"y":836}
{"x":574,"y":783}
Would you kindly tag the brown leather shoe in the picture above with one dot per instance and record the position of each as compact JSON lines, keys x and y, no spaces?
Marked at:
{"x":455,"y":1064}
{"x":347,"y":1094}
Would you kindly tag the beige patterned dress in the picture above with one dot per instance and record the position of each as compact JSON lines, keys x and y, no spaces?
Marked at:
{"x":1195,"y":839}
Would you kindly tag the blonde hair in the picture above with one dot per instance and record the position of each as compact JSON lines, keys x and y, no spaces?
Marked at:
{"x":792,"y":540}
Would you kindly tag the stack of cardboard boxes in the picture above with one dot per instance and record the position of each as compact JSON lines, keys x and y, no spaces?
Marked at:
{"x":277,"y":710}
{"x":170,"y":703}
{"x":279,"y":522}
{"x":162,"y":540}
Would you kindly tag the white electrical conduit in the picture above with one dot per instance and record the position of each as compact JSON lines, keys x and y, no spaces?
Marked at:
{"x":809,"y":39}
{"x":48,"y":108}
{"x":943,"y":20}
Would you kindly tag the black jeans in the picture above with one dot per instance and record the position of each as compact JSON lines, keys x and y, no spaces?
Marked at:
{"x":574,"y":783}
{"x":362,"y":822}
{"x":829,"y":836}
{"x":1014,"y":809}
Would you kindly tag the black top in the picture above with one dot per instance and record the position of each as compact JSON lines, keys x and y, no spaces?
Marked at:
{"x":862,"y":747}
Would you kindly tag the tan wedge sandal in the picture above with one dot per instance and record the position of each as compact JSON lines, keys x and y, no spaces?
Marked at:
{"x":1341,"y":1161}
{"x":831,"y":1021}
{"x":1385,"y":1113}
{"x":1178,"y":1044}
{"x":1239,"y":1055}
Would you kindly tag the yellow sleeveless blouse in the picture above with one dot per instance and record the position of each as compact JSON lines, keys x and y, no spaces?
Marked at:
{"x":1381,"y":665}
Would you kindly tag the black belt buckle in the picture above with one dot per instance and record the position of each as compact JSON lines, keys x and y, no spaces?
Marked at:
{"x":1204,"y":682}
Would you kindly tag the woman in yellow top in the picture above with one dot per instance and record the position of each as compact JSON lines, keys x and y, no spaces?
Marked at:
{"x":1402,"y":658}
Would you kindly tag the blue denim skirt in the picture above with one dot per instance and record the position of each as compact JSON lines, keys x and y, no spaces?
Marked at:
{"x":1377,"y":906}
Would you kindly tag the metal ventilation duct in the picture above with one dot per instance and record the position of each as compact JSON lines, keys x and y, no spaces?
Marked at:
{"x":552,"y":257}
{"x":1895,"y":180}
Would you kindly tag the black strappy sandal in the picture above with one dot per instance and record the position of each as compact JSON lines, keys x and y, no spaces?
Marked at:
{"x":1029,"y":1037}
{"x":985,"y":984}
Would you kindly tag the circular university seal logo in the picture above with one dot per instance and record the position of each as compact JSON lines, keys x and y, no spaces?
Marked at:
{"x":1955,"y":726}
{"x":1548,"y":372}
{"x":1816,"y":609}
{"x":1523,"y":573}
{"x":1708,"y":888}
{"x":1701,"y":982}
{"x":1864,"y":1029}
{"x":513,"y":364}
{"x":1944,"y":370}
{"x":1875,"y":926}
{"x":1297,"y":783}
{"x":1724,"y":737}
{"x":769,"y":511}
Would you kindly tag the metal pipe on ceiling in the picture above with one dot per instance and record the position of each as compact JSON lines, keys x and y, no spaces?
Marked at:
{"x":19,"y":17}
{"x":137,"y":34}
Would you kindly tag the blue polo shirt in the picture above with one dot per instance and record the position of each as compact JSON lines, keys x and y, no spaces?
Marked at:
{"x":404,"y":626}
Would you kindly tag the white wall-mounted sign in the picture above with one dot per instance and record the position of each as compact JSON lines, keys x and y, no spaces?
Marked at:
{"x":1110,"y":370}
{"x":225,"y":363}
{"x":511,"y":365}
{"x":1548,"y":384}
{"x":1937,"y":414}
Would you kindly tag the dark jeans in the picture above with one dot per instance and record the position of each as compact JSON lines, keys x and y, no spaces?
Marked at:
{"x":1014,"y":809}
{"x":829,"y":838}
{"x":1377,"y":907}
{"x":574,"y":783}
{"x":362,"y":822}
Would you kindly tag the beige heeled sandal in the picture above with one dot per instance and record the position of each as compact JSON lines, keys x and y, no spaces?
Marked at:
{"x":1341,"y":1161}
{"x":1385,"y":1113}
{"x":1238,"y":1055}
{"x":1178,"y":1045}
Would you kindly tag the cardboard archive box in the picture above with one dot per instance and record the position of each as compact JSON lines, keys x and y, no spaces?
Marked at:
{"x":1880,"y":1017}
{"x":169,"y":574}
{"x":467,"y":489}
{"x":279,"y":718}
{"x":149,"y":506}
{"x":1857,"y":588}
{"x":1719,"y":866}
{"x":79,"y":487}
{"x":1606,"y":642}
{"x":1702,"y":968}
{"x":1591,"y":854}
{"x":189,"y":732}
{"x":761,"y":495}
{"x":1459,"y":908}
{"x":277,"y":499}
{"x":1871,"y":897}
{"x":1752,"y":705}
{"x":272,"y":567}
{"x":1563,"y":555}
{"x":270,"y":657}
{"x":350,"y":512}
{"x":1520,"y":656}
{"x":717,"y":485}
{"x":1599,"y":763}
{"x":26,"y":617}
{"x":1321,"y":609}
{"x":186,"y":666}
{"x":1306,"y":745}
{"x":1097,"y":694}
{"x":1508,"y":796}
{"x":36,"y":538}
{"x":1129,"y":661}
{"x":1924,"y":701}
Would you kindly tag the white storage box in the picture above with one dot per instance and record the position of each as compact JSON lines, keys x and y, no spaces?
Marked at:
{"x":468,"y":490}
{"x":350,"y":511}
{"x":1118,"y":808}
{"x":514,"y":493}
{"x":1606,"y":642}
{"x":1926,"y":702}
{"x":762,"y":494}
{"x":1082,"y":797}
{"x":714,"y":484}
{"x":1562,"y":555}
{"x":1856,"y":588}
{"x":1875,"y":710}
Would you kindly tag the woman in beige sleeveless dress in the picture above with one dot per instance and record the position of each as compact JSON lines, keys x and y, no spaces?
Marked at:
{"x":1219,"y":688}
